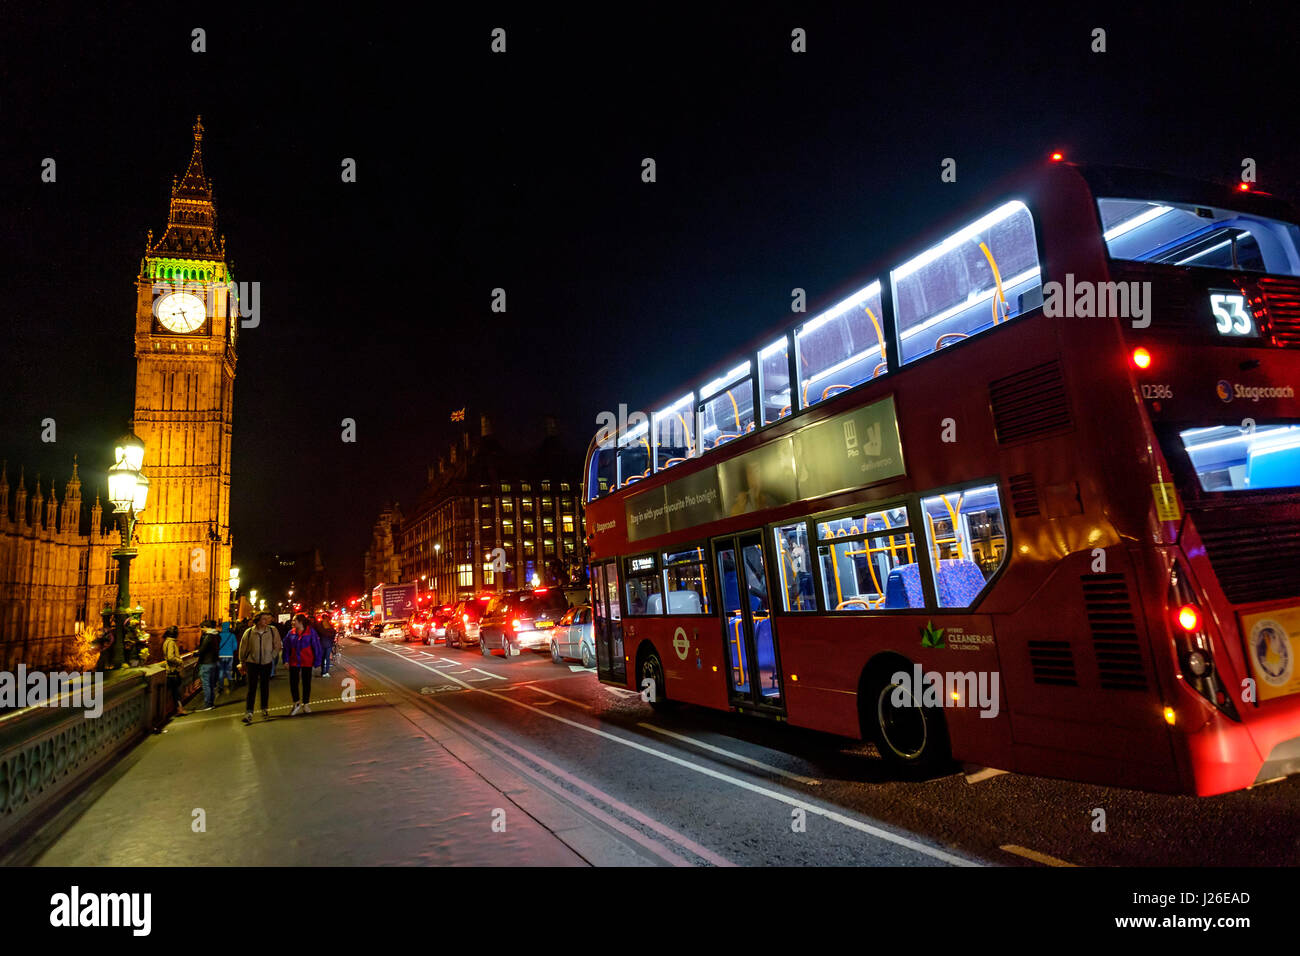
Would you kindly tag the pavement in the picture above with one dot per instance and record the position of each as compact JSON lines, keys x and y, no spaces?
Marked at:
{"x":372,"y":782}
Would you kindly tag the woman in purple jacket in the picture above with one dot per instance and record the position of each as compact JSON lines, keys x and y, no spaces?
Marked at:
{"x":301,"y":652}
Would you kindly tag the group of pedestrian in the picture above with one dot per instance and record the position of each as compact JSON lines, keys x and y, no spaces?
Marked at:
{"x":306,"y":646}
{"x":222,"y":658}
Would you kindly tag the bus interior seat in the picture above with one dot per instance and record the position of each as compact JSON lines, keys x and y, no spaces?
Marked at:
{"x":903,"y":587}
{"x":1273,"y":467}
{"x":679,"y":602}
{"x":959,"y":582}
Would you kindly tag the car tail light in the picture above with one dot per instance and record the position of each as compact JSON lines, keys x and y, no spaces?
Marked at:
{"x":1195,"y":648}
{"x":517,"y":624}
{"x":465,"y":618}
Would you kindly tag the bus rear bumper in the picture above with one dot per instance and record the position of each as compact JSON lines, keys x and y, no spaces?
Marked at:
{"x":1225,"y":755}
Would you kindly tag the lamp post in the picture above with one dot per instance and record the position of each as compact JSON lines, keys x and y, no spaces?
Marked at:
{"x":437,"y":569}
{"x":128,"y":490}
{"x":234,"y":592}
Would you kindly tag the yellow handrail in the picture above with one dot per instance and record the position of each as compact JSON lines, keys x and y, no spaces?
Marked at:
{"x":997,"y":282}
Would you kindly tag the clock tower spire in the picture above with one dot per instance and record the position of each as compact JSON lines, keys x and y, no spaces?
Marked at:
{"x":185,"y":327}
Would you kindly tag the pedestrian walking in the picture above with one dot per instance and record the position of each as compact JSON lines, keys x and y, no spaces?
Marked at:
{"x":258,"y":649}
{"x":226,"y":648}
{"x":172,"y":655}
{"x":328,"y":635}
{"x":208,"y":652}
{"x":301,"y":652}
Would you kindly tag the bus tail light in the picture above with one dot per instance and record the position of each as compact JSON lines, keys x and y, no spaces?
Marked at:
{"x":1195,"y":648}
{"x":1141,"y":358}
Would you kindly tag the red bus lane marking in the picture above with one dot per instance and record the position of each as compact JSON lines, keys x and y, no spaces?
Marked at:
{"x":804,"y":805}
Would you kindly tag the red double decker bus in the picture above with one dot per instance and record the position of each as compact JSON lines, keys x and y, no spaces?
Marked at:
{"x":1027,"y":495}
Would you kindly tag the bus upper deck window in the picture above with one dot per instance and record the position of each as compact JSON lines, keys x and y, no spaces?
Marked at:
{"x":726,"y":409}
{"x":1184,"y":234}
{"x":977,"y":278}
{"x":674,"y":438}
{"x":842,"y":347}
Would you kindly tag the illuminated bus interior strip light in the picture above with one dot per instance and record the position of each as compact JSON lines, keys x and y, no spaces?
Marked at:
{"x":721,"y":382}
{"x":1128,"y":225}
{"x":1002,"y":213}
{"x":835,"y":311}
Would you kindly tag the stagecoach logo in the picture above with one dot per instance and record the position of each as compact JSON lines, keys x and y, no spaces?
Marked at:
{"x":1271,"y":646}
{"x":1252,"y":393}
{"x":604,"y":526}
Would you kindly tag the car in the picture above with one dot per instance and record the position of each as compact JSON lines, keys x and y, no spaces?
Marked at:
{"x":574,"y":637}
{"x":463,"y":625}
{"x":437,"y":630}
{"x":396,"y":630}
{"x":519,"y":619}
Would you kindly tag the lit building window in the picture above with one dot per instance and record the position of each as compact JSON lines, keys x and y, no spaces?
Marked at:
{"x":465,"y":575}
{"x":567,"y":523}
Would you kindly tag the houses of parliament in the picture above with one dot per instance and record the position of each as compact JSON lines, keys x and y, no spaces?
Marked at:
{"x":56,"y":572}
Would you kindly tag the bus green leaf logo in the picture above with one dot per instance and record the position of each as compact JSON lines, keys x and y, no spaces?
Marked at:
{"x":932,"y":636}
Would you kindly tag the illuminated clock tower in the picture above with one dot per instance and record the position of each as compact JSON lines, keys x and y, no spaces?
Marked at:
{"x":185,"y":325}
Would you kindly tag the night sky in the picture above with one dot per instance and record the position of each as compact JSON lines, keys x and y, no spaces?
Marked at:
{"x":523,"y":171}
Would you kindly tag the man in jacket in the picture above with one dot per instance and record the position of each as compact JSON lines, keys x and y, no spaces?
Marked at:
{"x":208,"y":651}
{"x":258,"y":649}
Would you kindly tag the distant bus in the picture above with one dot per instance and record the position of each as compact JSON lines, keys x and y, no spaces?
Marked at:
{"x":1027,"y":495}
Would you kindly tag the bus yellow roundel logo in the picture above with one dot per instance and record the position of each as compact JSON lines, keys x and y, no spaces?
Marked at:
{"x":1270,"y":645}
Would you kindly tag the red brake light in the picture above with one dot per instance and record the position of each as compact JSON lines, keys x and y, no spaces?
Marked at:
{"x":1189,"y":618}
{"x":517,"y":624}
{"x":540,"y":590}
{"x":1057,"y":157}
{"x":1141,"y":358}
{"x":465,"y":618}
{"x":1244,"y":187}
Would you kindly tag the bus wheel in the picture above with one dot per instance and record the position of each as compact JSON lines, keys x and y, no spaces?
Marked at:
{"x":911,"y":737}
{"x":650,"y":669}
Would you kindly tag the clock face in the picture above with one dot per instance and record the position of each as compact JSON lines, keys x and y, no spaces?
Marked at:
{"x":181,"y":312}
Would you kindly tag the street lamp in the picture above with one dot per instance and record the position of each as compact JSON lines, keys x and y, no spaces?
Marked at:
{"x":234,"y":590}
{"x":128,"y":490}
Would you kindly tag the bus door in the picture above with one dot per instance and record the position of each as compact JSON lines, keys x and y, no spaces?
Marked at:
{"x":608,"y":613}
{"x":748,"y":629}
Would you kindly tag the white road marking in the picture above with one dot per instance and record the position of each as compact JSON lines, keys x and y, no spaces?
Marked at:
{"x":567,"y":700}
{"x":833,"y":815}
{"x":984,"y":773}
{"x":582,"y":670}
{"x":668,"y":833}
{"x":809,"y":781}
{"x":479,"y":669}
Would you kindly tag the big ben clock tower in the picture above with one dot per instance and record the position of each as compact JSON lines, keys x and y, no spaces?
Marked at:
{"x":185,"y":326}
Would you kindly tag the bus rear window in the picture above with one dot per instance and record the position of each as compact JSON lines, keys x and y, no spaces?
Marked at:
{"x":1228,"y":458}
{"x":1188,"y":235}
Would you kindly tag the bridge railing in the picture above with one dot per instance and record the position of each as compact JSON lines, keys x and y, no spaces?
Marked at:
{"x":48,"y":752}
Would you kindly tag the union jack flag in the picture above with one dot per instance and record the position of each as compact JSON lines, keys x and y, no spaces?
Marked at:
{"x":458,"y":415}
